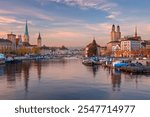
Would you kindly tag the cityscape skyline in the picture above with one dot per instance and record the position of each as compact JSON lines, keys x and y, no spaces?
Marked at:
{"x":74,"y":22}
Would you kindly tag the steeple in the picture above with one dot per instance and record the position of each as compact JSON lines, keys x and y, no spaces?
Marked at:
{"x":118,"y":33}
{"x":113,"y":27}
{"x":136,"y":31}
{"x":26,"y":29}
{"x":94,"y":41}
{"x":39,"y":41}
{"x":39,"y":37}
{"x":113,"y":33}
{"x":118,"y":28}
{"x":26,"y":35}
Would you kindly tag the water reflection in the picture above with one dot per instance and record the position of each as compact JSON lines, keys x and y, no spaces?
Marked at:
{"x":93,"y":69}
{"x":25,"y":69}
{"x":39,"y":68}
{"x":116,"y":79}
{"x":61,"y":79}
{"x":11,"y":73}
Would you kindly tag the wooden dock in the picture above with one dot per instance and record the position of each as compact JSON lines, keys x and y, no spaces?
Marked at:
{"x":131,"y":69}
{"x":136,"y":69}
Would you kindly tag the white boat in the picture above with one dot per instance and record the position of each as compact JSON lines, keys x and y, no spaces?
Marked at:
{"x":9,"y":59}
{"x":2,"y":58}
{"x":90,"y":61}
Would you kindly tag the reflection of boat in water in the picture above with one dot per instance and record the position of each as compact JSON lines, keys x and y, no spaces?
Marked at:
{"x":2,"y":58}
{"x":91,"y":61}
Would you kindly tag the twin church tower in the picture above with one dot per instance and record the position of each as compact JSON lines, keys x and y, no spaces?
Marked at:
{"x":26,"y":36}
{"x":115,"y":34}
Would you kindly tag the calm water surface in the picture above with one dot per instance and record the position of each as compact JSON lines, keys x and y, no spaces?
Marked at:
{"x":69,"y":79}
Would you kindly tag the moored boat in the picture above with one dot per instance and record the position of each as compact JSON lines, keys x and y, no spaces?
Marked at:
{"x":2,"y":58}
{"x":119,"y":64}
{"x":9,"y":60}
{"x":12,"y":60}
{"x":91,"y":61}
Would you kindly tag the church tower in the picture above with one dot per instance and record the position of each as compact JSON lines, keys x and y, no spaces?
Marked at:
{"x":39,"y":41}
{"x":113,"y":33}
{"x":118,"y":33}
{"x":136,"y":32}
{"x":26,"y":35}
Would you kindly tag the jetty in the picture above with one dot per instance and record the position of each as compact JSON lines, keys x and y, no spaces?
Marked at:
{"x":128,"y":65}
{"x":136,"y":69}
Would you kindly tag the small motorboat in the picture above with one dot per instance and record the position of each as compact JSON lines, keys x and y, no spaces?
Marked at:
{"x":2,"y":58}
{"x":12,"y":60}
{"x":9,"y":60}
{"x":118,"y":64}
{"x":91,"y":61}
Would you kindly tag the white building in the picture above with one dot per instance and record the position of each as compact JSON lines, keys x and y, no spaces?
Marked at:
{"x":45,"y":50}
{"x":130,"y":44}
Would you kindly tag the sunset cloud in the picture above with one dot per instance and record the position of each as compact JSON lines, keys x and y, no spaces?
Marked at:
{"x":3,"y":34}
{"x":103,"y":5}
{"x":6,"y":12}
{"x":73,"y":22}
{"x":9,"y":20}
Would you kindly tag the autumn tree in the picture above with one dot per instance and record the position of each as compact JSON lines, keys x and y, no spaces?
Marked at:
{"x":36,"y":50}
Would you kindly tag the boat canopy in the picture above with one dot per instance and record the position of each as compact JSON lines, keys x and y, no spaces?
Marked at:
{"x":2,"y":56}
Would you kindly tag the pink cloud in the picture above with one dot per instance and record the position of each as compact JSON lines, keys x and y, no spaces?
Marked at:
{"x":9,"y":20}
{"x":65,"y":34}
{"x":3,"y":34}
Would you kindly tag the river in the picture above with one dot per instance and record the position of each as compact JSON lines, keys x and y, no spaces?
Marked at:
{"x":69,"y":79}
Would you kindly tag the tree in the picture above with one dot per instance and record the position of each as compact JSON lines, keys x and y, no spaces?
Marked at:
{"x":23,"y":51}
{"x":36,"y":50}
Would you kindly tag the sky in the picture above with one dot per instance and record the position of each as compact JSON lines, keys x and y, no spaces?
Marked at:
{"x":74,"y":23}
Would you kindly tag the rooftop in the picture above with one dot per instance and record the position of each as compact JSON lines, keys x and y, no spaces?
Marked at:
{"x":5,"y":40}
{"x":93,"y":43}
{"x":113,"y":42}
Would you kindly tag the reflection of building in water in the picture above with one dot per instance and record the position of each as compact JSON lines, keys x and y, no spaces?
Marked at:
{"x":39,"y":68}
{"x":133,"y":78}
{"x":116,"y":80}
{"x":93,"y":69}
{"x":26,"y":68}
{"x":13,"y":71}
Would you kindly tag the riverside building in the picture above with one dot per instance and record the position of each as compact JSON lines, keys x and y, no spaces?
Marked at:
{"x":5,"y":45}
{"x":92,"y":49}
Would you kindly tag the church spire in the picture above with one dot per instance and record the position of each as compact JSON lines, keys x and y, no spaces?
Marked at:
{"x":39,"y":37}
{"x":26,"y":35}
{"x":118,"y":28}
{"x":94,"y":41}
{"x":39,"y":41}
{"x":26,"y":29}
{"x":113,"y":27}
{"x":136,"y":31}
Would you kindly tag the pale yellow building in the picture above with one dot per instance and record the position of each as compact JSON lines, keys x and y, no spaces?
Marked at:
{"x":5,"y":45}
{"x":12,"y":37}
